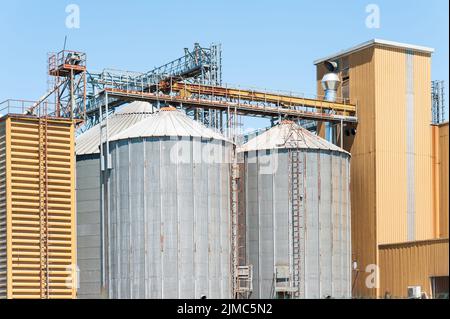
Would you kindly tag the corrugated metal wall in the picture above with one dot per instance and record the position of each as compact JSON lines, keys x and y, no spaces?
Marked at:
{"x":443,"y":183}
{"x":436,"y":178}
{"x":391,"y":152}
{"x":424,"y":228}
{"x":363,"y":178}
{"x":169,"y":225}
{"x":88,"y":226}
{"x":403,"y":146}
{"x":363,"y":181}
{"x":3,"y":211}
{"x":327,"y":247}
{"x":412,"y":264}
{"x":23,"y":208}
{"x":391,"y":145}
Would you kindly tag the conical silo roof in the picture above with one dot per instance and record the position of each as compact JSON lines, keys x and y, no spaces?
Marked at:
{"x":88,"y":142}
{"x":288,"y":135}
{"x":168,"y":122}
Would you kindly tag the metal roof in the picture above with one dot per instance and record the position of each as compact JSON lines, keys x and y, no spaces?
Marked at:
{"x":374,"y":42}
{"x":288,"y":135}
{"x":88,"y":142}
{"x":137,"y":107}
{"x":168,"y":122}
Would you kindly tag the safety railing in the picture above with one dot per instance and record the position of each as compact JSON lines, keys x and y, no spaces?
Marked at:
{"x":56,"y":61}
{"x":22,"y":107}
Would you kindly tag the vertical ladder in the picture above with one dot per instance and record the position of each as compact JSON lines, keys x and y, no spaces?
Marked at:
{"x":104,"y":204}
{"x":43,"y":204}
{"x":234,"y":223}
{"x":242,"y":275}
{"x":298,"y":221}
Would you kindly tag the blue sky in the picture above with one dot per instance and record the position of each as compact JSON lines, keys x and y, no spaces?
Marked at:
{"x":268,"y":44}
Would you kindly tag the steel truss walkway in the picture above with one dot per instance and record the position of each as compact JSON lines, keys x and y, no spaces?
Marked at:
{"x":194,"y":82}
{"x":262,"y":104}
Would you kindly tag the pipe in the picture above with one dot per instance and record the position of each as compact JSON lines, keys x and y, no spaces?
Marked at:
{"x":330,"y":84}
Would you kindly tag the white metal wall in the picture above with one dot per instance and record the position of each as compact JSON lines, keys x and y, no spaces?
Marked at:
{"x":88,"y":226}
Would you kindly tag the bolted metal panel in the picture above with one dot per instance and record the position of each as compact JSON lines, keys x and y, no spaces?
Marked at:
{"x":89,"y":197}
{"x":266,"y":233}
{"x":327,"y":264}
{"x":313,"y":193}
{"x":169,"y":219}
{"x":88,"y":226}
{"x":252,"y":220}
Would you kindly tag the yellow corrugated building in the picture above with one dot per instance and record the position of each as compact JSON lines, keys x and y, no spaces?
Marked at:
{"x":440,"y":146}
{"x":37,"y":208}
{"x":392,"y":151}
{"x":418,"y":263}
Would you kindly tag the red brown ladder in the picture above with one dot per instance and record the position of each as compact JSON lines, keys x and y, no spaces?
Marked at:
{"x":43,"y":206}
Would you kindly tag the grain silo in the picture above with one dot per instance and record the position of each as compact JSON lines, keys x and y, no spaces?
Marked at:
{"x":169,"y":202}
{"x":297,"y":205}
{"x":88,"y":195}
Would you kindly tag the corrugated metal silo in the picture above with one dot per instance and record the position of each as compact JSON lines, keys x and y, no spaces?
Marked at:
{"x":88,"y":195}
{"x":169,"y":210}
{"x":298,"y":215}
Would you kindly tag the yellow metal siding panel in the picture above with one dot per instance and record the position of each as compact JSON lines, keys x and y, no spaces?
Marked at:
{"x":423,"y":147}
{"x":8,"y":209}
{"x":362,"y":148}
{"x":443,"y":182}
{"x":73,"y":256}
{"x":391,"y":157}
{"x":363,"y":183}
{"x":391,"y":178}
{"x":378,"y":84}
{"x":3,"y":205}
{"x":24,"y":241}
{"x":412,"y":264}
{"x":25,"y":208}
{"x":436,"y":178}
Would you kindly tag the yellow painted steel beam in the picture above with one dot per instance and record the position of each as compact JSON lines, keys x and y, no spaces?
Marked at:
{"x":186,"y":89}
{"x":240,"y":107}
